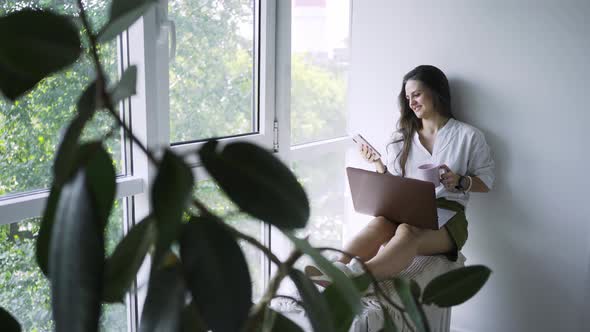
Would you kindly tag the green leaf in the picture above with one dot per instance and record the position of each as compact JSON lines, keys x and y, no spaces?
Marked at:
{"x":404,"y":291}
{"x":315,"y":305}
{"x":44,"y":237}
{"x":456,"y":286}
{"x":8,"y":322}
{"x":191,"y":320}
{"x":275,"y":322}
{"x":75,"y":259}
{"x":341,"y":282}
{"x":388,"y":324}
{"x":101,"y":178}
{"x":101,"y":183}
{"x":123,"y":14}
{"x":217,"y":274}
{"x":170,"y":196}
{"x":258,"y":182}
{"x":341,"y":312}
{"x":164,"y":303}
{"x":35,"y":44}
{"x":63,"y":166}
{"x":126,"y":87}
{"x":121,"y":268}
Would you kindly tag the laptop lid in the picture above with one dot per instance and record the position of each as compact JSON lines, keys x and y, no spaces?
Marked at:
{"x":401,"y":200}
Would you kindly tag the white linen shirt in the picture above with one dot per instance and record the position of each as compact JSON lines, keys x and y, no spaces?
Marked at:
{"x":461,"y":147}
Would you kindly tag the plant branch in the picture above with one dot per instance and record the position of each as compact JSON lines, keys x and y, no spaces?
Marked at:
{"x":101,"y":84}
{"x":271,"y":290}
{"x":374,"y":281}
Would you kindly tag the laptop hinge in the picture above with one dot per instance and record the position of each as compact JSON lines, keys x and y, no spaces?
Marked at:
{"x":275,"y":145}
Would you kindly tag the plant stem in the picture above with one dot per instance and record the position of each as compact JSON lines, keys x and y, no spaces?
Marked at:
{"x":272,"y":288}
{"x":102,"y":82}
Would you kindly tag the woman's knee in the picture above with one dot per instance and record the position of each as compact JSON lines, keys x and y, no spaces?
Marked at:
{"x":407,"y":231}
{"x":381,"y":224}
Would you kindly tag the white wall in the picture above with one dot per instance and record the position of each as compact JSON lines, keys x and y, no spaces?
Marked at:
{"x":520,"y":71}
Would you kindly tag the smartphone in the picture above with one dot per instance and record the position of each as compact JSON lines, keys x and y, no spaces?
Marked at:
{"x":358,"y":139}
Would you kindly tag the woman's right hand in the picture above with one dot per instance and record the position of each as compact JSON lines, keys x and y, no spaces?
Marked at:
{"x":368,"y":154}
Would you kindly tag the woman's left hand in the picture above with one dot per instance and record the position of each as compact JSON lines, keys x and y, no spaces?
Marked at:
{"x":449,"y":179}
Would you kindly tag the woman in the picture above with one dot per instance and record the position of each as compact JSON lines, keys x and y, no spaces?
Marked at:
{"x":428,"y":133}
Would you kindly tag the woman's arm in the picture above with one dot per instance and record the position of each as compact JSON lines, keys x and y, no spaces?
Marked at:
{"x":478,"y":186}
{"x":451,"y":180}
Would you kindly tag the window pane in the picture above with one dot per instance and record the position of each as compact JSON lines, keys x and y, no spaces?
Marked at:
{"x":211,"y":78}
{"x":24,"y":290}
{"x":319,"y":69}
{"x":214,"y":198}
{"x":324,"y":182}
{"x":30,"y":129}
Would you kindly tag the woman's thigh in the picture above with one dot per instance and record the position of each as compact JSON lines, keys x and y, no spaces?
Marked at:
{"x":427,"y":241}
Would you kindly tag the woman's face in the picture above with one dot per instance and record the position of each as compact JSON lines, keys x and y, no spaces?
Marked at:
{"x":420,"y":99}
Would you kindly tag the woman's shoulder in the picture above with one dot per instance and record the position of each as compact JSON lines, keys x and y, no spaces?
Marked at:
{"x":466,"y":130}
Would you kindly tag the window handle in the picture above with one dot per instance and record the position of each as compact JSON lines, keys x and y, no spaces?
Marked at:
{"x":170,"y":26}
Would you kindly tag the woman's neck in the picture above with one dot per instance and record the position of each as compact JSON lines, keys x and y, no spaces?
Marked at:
{"x":432,"y":124}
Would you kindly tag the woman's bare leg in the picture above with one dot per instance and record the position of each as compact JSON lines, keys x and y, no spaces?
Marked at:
{"x":407,"y":243}
{"x":367,"y":242}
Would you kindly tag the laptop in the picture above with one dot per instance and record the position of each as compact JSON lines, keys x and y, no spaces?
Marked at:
{"x":398,"y":199}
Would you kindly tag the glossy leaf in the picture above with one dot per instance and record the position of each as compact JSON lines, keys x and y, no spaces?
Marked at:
{"x":122,"y":15}
{"x":8,"y":322}
{"x":403,"y":288}
{"x":76,"y":246}
{"x":258,"y":182}
{"x":315,"y":305}
{"x":36,"y":43}
{"x":170,"y":196}
{"x":126,"y":87}
{"x":191,"y":320}
{"x":164,"y":303}
{"x":101,"y":183}
{"x":101,"y":178}
{"x":66,"y":153}
{"x":341,"y":312}
{"x":121,"y":268}
{"x":44,"y":237}
{"x":456,"y":286}
{"x":344,"y":285}
{"x":276,"y":322}
{"x":217,"y":274}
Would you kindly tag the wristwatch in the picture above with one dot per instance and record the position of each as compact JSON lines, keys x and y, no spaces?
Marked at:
{"x":461,"y":185}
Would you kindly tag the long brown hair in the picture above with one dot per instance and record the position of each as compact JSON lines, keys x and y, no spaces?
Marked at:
{"x":408,"y":124}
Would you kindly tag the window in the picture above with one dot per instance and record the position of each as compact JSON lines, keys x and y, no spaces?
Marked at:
{"x":30,"y":129}
{"x":24,"y":290}
{"x":212,"y":69}
{"x":319,"y":70}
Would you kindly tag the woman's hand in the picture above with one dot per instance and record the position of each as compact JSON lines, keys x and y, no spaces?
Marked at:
{"x":449,"y":179}
{"x":368,"y":154}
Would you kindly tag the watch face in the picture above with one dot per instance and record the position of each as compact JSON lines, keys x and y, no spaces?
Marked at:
{"x":462,"y":182}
